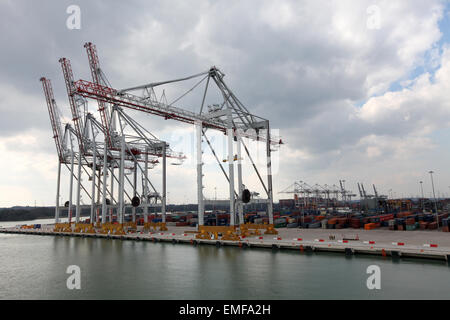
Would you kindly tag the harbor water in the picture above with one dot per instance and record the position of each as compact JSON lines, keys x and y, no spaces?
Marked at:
{"x":34,"y":267}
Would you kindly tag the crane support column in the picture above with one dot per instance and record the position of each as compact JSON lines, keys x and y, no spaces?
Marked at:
{"x":58,"y":184}
{"x":231,"y":175}
{"x":146,"y":188}
{"x":78,"y":210}
{"x":94,"y":164}
{"x":121,"y":180}
{"x":133,"y":211}
{"x":111,"y":208}
{"x":269,"y":176}
{"x":241,"y":186}
{"x":105,"y":171}
{"x":201,"y":204}
{"x":71,"y":184}
{"x":164,"y":196}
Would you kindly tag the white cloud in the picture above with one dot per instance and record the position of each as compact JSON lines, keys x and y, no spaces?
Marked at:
{"x":393,"y":135}
{"x":420,"y":108}
{"x":28,"y":173}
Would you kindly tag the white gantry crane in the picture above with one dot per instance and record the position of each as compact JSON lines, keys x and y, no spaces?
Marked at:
{"x":317,"y":193}
{"x":228,"y":115}
{"x":118,"y":141}
{"x":96,"y":151}
{"x":65,"y":147}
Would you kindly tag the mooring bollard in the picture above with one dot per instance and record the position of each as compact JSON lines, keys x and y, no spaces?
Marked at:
{"x":349,"y":251}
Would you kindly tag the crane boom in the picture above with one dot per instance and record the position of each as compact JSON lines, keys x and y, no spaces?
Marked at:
{"x":55,"y":119}
{"x":343,"y":191}
{"x":364,"y":191}
{"x":360,"y":192}
{"x":75,"y":101}
{"x":97,"y":78}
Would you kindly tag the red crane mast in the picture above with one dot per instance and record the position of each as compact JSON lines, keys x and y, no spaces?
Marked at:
{"x":97,"y":78}
{"x":74,"y":103}
{"x":54,"y":116}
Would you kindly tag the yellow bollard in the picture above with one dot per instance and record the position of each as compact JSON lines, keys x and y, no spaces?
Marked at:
{"x":230,"y":236}
{"x":203,"y":235}
{"x":162,"y":226}
{"x":271,"y":230}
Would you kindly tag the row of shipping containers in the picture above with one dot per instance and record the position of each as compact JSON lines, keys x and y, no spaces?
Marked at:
{"x":446,"y":224}
{"x":394,"y":221}
{"x":407,"y":221}
{"x":418,"y":221}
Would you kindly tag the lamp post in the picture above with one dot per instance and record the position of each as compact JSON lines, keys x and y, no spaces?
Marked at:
{"x":215,"y":199}
{"x":421,"y":189}
{"x":168,"y":194}
{"x":304,"y":204}
{"x":434,"y":196}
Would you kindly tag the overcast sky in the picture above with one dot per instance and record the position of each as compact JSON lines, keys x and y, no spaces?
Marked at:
{"x":359,"y":90}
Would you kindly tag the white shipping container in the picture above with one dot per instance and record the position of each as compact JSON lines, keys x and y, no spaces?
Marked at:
{"x":280,"y":220}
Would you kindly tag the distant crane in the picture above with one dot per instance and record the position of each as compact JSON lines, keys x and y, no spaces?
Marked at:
{"x":317,"y":193}
{"x":376,"y":198}
{"x":360,"y":192}
{"x":346,"y":194}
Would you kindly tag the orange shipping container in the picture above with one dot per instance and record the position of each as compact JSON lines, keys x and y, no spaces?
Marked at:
{"x":332,"y":221}
{"x":369,"y":226}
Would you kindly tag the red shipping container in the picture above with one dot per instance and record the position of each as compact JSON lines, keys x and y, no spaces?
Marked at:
{"x":432,"y":225}
{"x":423,"y":225}
{"x":308,"y":219}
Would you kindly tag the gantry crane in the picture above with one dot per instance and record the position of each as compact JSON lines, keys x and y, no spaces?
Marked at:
{"x":112,"y":144}
{"x":301,"y":187}
{"x":64,"y":146}
{"x":346,"y":194}
{"x":121,"y":149}
{"x":89,"y":150}
{"x":230,"y":117}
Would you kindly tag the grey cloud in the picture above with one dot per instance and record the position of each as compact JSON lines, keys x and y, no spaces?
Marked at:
{"x":302,"y":74}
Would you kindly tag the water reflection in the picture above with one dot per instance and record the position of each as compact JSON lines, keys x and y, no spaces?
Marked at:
{"x":33,"y":267}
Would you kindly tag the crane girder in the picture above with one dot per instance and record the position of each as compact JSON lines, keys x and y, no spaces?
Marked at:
{"x":107,"y":94}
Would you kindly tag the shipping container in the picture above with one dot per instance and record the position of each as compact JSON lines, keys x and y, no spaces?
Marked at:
{"x":314,"y":225}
